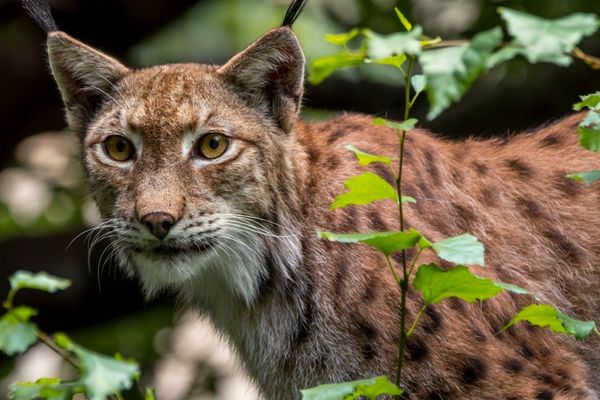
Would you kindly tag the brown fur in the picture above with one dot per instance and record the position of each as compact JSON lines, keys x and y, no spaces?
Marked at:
{"x":301,"y":311}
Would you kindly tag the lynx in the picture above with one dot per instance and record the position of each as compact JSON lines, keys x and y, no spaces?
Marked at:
{"x":213,"y":189}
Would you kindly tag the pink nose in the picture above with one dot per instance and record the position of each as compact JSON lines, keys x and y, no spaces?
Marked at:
{"x":158,"y":223}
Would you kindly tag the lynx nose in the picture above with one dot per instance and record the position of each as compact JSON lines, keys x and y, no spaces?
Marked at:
{"x":158,"y":223}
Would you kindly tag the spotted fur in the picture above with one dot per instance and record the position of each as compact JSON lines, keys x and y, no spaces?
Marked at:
{"x":301,"y":311}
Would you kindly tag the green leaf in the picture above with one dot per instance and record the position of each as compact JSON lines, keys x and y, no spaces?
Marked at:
{"x":367,"y":158}
{"x":587,"y":177}
{"x":435,"y":284}
{"x":544,"y":40}
{"x":100,"y":375}
{"x":341,"y":39}
{"x":547,"y":316}
{"x":400,"y":126}
{"x":364,"y":189}
{"x":403,"y":20}
{"x":372,"y":388}
{"x":407,"y":199}
{"x":40,"y":281}
{"x":149,"y":394}
{"x":17,"y":334}
{"x":451,"y":71}
{"x":418,"y":82}
{"x":322,"y":67}
{"x":591,"y":101}
{"x":462,"y":249}
{"x":45,"y":388}
{"x":512,"y":288}
{"x":394,"y":61}
{"x":395,"y":44}
{"x":386,"y":242}
{"x":589,"y":132}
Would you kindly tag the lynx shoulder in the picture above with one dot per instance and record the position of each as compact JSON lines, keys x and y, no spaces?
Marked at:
{"x":215,"y":189}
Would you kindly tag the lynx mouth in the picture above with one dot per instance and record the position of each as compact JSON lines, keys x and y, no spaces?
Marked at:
{"x":170,"y":250}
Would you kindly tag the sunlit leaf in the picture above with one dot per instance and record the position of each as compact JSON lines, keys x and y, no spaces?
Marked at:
{"x":451,"y":71}
{"x":367,"y":158}
{"x":591,"y":101}
{"x":589,"y":132}
{"x":544,"y":40}
{"x":371,"y":388}
{"x":547,"y":316}
{"x":40,"y":281}
{"x":462,"y":249}
{"x":364,"y":189}
{"x":400,"y":126}
{"x":149,"y":394}
{"x":435,"y":284}
{"x":17,"y":334}
{"x":322,"y":67}
{"x":403,"y":20}
{"x":386,"y":242}
{"x":100,"y":375}
{"x":341,"y":39}
{"x":418,"y":82}
{"x":394,"y":61}
{"x":45,"y":388}
{"x":587,"y":177}
{"x":384,"y":46}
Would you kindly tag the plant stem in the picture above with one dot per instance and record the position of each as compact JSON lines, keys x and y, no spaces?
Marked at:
{"x":405,"y":276}
{"x":416,"y":321}
{"x":47,"y":340}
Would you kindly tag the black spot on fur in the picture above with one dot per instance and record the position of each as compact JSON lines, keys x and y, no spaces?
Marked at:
{"x":368,"y":351}
{"x":456,"y":304}
{"x":530,"y":208}
{"x":463,"y":216}
{"x":431,"y":166}
{"x":566,"y":246}
{"x":527,"y":352}
{"x":266,"y":285}
{"x":433,"y":320}
{"x":416,"y":350}
{"x":336,"y":135}
{"x":513,"y":365}
{"x":567,"y":186}
{"x":544,"y":395}
{"x":341,"y":272}
{"x":332,"y":162}
{"x":436,"y":395}
{"x":366,"y":329}
{"x":458,"y":177}
{"x":551,"y":140}
{"x":370,"y":289}
{"x":519,"y":167}
{"x":304,"y":325}
{"x":479,"y":335}
{"x":480,"y":168}
{"x":376,"y":222}
{"x":473,"y":370}
{"x":383,"y":171}
{"x":313,"y":155}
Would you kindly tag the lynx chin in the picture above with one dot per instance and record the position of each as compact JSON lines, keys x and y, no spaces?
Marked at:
{"x":213,"y":189}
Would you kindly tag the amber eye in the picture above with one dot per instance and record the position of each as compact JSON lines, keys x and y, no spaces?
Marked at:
{"x":211,"y":146}
{"x":119,"y":148}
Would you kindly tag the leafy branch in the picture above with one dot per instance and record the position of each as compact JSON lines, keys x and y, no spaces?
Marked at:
{"x":449,"y":69}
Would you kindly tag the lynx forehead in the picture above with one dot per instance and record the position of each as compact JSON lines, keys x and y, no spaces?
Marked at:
{"x":211,"y":187}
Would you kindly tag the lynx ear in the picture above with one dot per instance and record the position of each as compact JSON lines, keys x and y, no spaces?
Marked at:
{"x":85,"y":77}
{"x":270,"y":75}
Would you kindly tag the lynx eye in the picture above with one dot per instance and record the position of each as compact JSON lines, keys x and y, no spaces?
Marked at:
{"x":119,"y":148}
{"x":211,"y":146}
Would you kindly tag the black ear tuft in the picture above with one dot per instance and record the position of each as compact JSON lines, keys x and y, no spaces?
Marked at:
{"x":40,"y":11}
{"x":293,"y":12}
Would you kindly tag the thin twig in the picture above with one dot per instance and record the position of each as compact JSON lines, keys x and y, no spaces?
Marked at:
{"x":45,"y":338}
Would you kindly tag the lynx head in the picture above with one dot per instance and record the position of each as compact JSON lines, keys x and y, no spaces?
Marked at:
{"x":188,"y":163}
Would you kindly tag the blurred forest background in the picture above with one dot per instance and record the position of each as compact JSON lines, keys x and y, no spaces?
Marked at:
{"x":44,"y":202}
